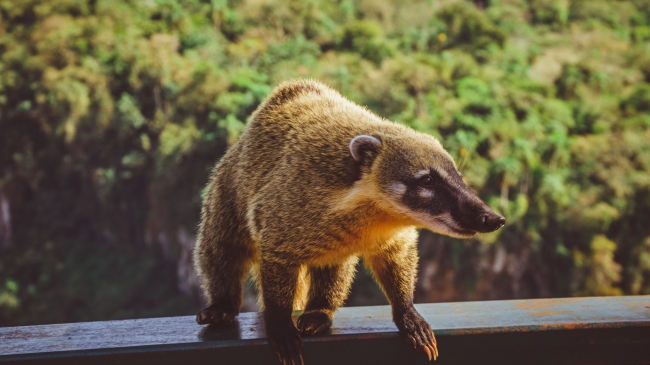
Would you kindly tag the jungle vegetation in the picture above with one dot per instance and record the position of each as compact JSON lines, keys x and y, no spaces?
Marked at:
{"x":112,"y":114}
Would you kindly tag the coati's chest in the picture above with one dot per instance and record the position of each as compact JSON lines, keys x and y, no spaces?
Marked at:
{"x":356,"y":238}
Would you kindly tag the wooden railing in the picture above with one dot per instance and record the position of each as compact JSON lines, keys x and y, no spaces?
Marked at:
{"x":612,"y":330}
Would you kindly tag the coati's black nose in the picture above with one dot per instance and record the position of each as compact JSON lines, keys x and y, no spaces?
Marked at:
{"x":491,"y":222}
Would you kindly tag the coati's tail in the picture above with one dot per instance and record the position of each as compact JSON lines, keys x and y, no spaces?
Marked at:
{"x":302,"y":288}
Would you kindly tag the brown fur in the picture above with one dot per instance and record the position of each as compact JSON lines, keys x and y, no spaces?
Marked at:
{"x":290,"y":202}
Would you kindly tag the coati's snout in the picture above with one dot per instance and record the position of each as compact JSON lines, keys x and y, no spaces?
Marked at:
{"x":418,"y":177}
{"x":471,"y":214}
{"x":439,"y":200}
{"x":491,"y":221}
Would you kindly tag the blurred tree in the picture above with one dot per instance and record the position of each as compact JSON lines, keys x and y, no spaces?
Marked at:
{"x":112,"y":114}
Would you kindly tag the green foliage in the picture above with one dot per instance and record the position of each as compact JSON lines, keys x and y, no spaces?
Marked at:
{"x":638,"y":101}
{"x":364,"y":37}
{"x":604,"y":272}
{"x":8,"y":299}
{"x":78,"y":282}
{"x":553,"y":12}
{"x":112,"y":114}
{"x":470,"y":29}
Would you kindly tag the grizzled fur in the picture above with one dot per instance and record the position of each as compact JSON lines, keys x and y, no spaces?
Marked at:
{"x":298,"y":199}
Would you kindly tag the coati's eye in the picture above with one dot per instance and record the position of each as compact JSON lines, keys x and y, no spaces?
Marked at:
{"x":426,"y":181}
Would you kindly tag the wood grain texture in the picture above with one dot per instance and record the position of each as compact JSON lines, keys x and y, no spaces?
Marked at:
{"x":573,"y":330}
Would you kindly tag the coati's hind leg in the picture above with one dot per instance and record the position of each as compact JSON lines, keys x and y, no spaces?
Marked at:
{"x":223,"y":286}
{"x":223,"y":256}
{"x":330,"y":286}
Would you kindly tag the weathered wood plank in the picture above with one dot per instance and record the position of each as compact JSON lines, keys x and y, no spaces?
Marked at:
{"x":568,"y":331}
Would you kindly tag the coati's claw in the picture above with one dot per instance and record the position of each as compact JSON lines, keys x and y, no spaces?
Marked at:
{"x":426,"y":349}
{"x":417,"y":331}
{"x":215,"y":315}
{"x":433,"y":351}
{"x":314,"y":322}
{"x":434,"y":345}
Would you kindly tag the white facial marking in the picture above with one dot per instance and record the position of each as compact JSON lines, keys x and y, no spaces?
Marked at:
{"x":398,"y":189}
{"x":419,"y":174}
{"x":358,"y":192}
{"x":447,"y":219}
{"x":443,"y":224}
{"x":443,"y":174}
{"x":425,"y":194}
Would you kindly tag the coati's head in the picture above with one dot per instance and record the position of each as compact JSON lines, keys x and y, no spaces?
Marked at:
{"x":414,"y":174}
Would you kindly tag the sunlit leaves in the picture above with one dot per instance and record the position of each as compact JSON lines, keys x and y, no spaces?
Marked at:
{"x":8,"y":298}
{"x":129,"y":112}
{"x":233,"y":127}
{"x":178,"y":139}
{"x":364,"y":37}
{"x":602,"y":273}
{"x":113,"y":112}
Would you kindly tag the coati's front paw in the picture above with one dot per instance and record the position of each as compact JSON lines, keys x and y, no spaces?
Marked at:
{"x":286,"y":343}
{"x":314,"y":322}
{"x":417,"y":332}
{"x":215,"y":314}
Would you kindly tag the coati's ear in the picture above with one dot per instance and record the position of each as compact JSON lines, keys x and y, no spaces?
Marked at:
{"x":364,"y":148}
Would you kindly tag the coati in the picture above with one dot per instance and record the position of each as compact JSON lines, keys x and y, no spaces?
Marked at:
{"x":314,"y":182}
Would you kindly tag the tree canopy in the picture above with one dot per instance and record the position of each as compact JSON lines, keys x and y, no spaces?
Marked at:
{"x":112,"y":114}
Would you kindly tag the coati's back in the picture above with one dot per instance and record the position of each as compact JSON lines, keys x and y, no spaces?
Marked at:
{"x":303,"y":127}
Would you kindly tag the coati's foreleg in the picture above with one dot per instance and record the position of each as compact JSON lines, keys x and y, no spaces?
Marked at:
{"x":330,"y":286}
{"x":279,"y":282}
{"x":395,"y":269}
